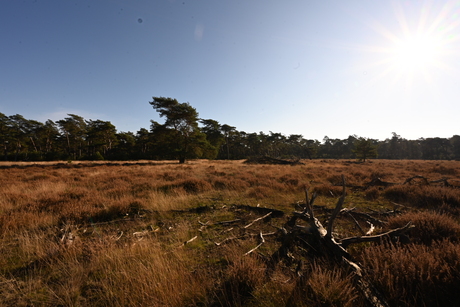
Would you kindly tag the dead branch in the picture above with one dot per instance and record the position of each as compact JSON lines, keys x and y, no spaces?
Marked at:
{"x":261,"y":240}
{"x":261,"y":210}
{"x":395,"y":232}
{"x":258,"y":219}
{"x":379,"y":182}
{"x":409,"y":180}
{"x":191,"y":240}
{"x":116,"y":238}
{"x":309,"y":203}
{"x":227,"y":222}
{"x":245,"y":236}
{"x":337,"y":209}
{"x":226,"y":240}
{"x":357,"y":224}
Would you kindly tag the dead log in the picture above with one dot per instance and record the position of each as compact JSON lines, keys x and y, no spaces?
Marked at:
{"x":270,"y":160}
{"x":315,"y":238}
{"x":379,"y":182}
{"x":409,"y":180}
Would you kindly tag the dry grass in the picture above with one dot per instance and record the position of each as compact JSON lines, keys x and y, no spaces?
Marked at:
{"x":416,"y":275}
{"x":325,"y":287}
{"x":429,"y":227}
{"x":112,"y":234}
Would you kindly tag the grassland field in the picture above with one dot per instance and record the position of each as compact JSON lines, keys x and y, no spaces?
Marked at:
{"x":159,"y":233}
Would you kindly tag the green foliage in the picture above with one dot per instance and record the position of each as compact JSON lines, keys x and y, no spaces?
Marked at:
{"x":365,"y":149}
{"x":100,"y":137}
{"x":180,"y":137}
{"x":73,"y":129}
{"x":179,"y":134}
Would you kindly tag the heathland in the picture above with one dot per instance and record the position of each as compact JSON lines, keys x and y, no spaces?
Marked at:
{"x":206,"y":233}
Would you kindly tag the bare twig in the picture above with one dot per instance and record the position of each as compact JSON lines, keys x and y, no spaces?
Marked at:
{"x":243,"y":237}
{"x":225,"y":241}
{"x":337,"y":209}
{"x":191,"y":240}
{"x":309,"y":204}
{"x":261,"y":240}
{"x":357,"y":224}
{"x":258,"y":219}
{"x":347,"y":241}
{"x":227,"y":222}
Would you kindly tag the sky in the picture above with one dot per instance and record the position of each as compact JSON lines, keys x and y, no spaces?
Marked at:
{"x":316,"y":68}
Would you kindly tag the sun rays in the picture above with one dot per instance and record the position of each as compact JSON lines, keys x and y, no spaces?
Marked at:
{"x":421,"y":46}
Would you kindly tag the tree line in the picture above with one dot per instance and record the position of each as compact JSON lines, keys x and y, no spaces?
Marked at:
{"x":183,"y":135}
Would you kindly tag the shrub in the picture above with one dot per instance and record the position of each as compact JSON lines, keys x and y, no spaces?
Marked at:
{"x":372,"y":193}
{"x":325,"y":287}
{"x":429,"y":226}
{"x":328,"y":190}
{"x":423,"y":196}
{"x":242,"y":276}
{"x":416,"y":275}
{"x":191,"y":186}
{"x":259,"y":192}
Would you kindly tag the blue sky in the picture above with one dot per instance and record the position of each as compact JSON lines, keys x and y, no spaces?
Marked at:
{"x":314,"y":68}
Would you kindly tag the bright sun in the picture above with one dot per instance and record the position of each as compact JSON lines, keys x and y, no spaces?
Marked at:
{"x":419,"y":48}
{"x":417,"y":53}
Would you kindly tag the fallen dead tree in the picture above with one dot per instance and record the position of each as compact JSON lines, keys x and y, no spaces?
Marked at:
{"x":304,"y":235}
{"x":414,"y":180}
{"x":421,"y":180}
{"x":302,"y":239}
{"x":269,"y":160}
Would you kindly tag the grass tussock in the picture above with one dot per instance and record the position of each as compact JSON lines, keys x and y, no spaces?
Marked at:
{"x":241,"y":277}
{"x":327,"y":190}
{"x":429,"y":227}
{"x":423,"y":196}
{"x":325,"y":287}
{"x":155,"y":278}
{"x":416,"y":275}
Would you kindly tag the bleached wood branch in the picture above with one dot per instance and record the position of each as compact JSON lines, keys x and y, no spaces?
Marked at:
{"x":258,"y":219}
{"x":261,"y":240}
{"x":347,"y":241}
{"x":337,"y":209}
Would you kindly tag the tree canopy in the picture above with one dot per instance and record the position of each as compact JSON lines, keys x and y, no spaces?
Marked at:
{"x":183,"y":135}
{"x":365,"y":149}
{"x":180,"y":132}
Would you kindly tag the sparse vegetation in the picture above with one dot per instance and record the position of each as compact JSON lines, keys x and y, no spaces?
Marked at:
{"x":168,"y":234}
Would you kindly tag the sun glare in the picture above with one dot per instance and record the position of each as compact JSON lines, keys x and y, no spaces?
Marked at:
{"x":420,"y":48}
{"x":418,"y":52}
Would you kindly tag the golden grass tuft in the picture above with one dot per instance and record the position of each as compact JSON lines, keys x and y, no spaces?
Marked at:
{"x":429,"y":226}
{"x":423,"y":196}
{"x":416,"y":275}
